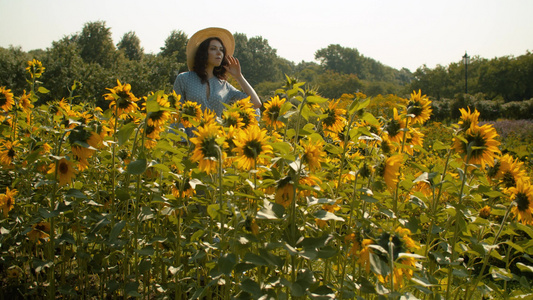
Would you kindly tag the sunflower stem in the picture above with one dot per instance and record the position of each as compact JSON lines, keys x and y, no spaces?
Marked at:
{"x":487,"y":256}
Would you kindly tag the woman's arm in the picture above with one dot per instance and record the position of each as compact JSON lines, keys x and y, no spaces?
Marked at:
{"x":234,"y":68}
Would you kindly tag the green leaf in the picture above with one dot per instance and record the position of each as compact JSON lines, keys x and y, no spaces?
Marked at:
{"x":152,"y":106}
{"x":46,"y":214}
{"x":146,"y":251}
{"x":212,"y":210}
{"x":524,"y":268}
{"x":123,"y":135}
{"x":226,"y":263}
{"x":137,"y":167}
{"x":43,"y":90}
{"x":75,"y":193}
{"x":251,"y":287}
{"x":255,"y":259}
{"x":326,"y":216}
{"x":113,"y":235}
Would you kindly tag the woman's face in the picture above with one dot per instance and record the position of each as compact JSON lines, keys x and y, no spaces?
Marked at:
{"x":215,"y":54}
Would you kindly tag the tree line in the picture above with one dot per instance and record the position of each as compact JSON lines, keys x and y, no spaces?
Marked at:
{"x":91,"y":62}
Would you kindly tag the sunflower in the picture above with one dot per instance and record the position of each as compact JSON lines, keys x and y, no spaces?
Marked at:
{"x":250,"y":147}
{"x":485,"y":212}
{"x":65,"y":171}
{"x":39,"y":231}
{"x":313,"y":153}
{"x":419,"y":107}
{"x":232,"y":119}
{"x":413,"y":138}
{"x":309,"y":185}
{"x":395,"y":128}
{"x":334,"y":121}
{"x":390,"y":170}
{"x":190,"y":112}
{"x":160,"y":117}
{"x":482,"y":144}
{"x":207,"y":148}
{"x":284,"y":192}
{"x":6,"y":99}
{"x":35,"y":68}
{"x":468,"y":119}
{"x":272,"y":111}
{"x":7,"y":201}
{"x":152,"y":134}
{"x":7,"y":152}
{"x":522,"y":196}
{"x":25,"y":102}
{"x":508,"y":170}
{"x":246,"y":111}
{"x":181,"y":189}
{"x":364,"y":254}
{"x":122,"y":99}
{"x":405,"y":235}
{"x":209,"y":116}
{"x":84,"y":142}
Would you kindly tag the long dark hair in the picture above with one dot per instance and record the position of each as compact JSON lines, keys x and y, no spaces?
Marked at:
{"x":200,"y":61}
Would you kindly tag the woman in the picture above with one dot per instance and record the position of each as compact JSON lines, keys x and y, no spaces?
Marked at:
{"x":209,"y":58}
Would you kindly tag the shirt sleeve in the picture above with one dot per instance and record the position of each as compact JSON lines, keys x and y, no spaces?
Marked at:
{"x":179,"y":86}
{"x":234,"y":94}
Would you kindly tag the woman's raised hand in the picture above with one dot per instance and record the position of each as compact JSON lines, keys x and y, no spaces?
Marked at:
{"x":233,"y":67}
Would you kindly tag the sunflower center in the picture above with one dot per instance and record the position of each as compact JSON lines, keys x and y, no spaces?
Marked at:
{"x":508,"y":180}
{"x":522,"y":201}
{"x":3,"y":101}
{"x":156,"y":115}
{"x":209,"y":147}
{"x":11,"y":153}
{"x":274,"y":113}
{"x":245,"y":118}
{"x":63,"y":168}
{"x":123,"y":101}
{"x":331,"y":118}
{"x":252,"y":149}
{"x":414,"y":108}
{"x":476,"y":140}
{"x":393,"y":128}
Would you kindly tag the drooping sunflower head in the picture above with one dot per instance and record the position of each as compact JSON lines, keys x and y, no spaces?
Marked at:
{"x":190,"y":112}
{"x":478,"y":145}
{"x":507,"y":171}
{"x":25,"y":102}
{"x":272,"y":111}
{"x":334,"y":119}
{"x":84,"y":142}
{"x":232,"y":118}
{"x":7,"y":201}
{"x":394,"y":127}
{"x":209,"y":116}
{"x":123,"y":101}
{"x":6,"y":99}
{"x":285,"y":191}
{"x":65,"y":171}
{"x":7,"y":151}
{"x":468,"y":119}
{"x":174,"y":100}
{"x":419,"y":107}
{"x":246,"y":111}
{"x":251,"y":147}
{"x":35,"y":68}
{"x":414,"y":139}
{"x":207,"y":147}
{"x":313,"y":153}
{"x":389,"y":169}
{"x":522,"y":196}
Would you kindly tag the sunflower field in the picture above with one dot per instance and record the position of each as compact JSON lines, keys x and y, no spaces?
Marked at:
{"x":350,"y":198}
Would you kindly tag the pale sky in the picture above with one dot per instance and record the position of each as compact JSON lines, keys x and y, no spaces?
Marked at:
{"x":408,"y":33}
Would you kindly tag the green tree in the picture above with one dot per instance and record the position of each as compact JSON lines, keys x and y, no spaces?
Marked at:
{"x":333,"y":85}
{"x":259,"y":61}
{"x":12,"y":71}
{"x":176,"y":46}
{"x":131,"y":45}
{"x":96,"y":44}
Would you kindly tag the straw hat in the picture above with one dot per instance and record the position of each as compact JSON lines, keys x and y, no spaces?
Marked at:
{"x":225,"y":36}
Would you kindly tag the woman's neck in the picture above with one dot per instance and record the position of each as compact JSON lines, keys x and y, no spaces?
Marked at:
{"x":209,"y":71}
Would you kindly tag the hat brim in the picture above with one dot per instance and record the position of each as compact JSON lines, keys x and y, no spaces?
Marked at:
{"x":192,"y":45}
